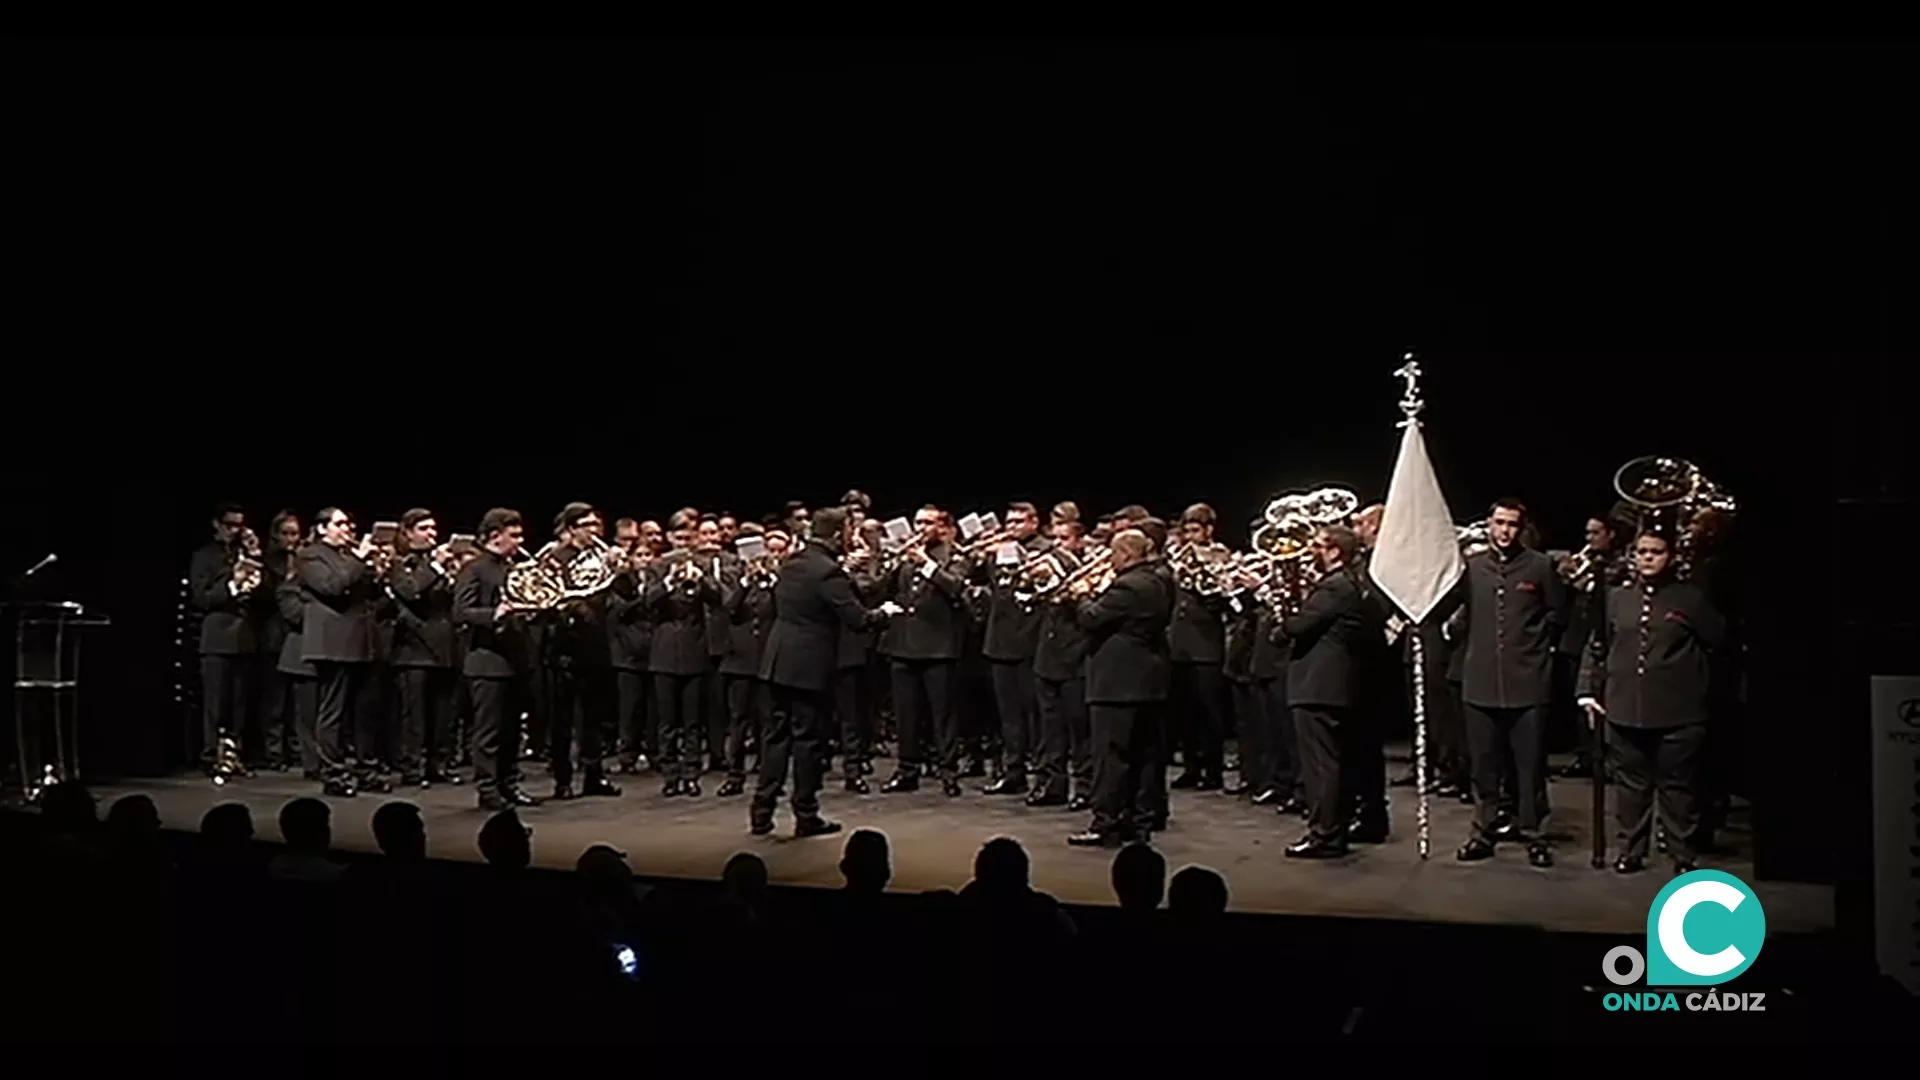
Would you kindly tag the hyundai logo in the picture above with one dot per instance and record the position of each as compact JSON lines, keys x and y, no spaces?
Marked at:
{"x":1910,"y":712}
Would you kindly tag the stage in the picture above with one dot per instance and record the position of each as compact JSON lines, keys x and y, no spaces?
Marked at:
{"x":934,"y":840}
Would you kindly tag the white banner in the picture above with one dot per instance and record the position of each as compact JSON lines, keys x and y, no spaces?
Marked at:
{"x":1896,"y":827}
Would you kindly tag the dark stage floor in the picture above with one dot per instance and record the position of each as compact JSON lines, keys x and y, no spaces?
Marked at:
{"x":935,"y":838}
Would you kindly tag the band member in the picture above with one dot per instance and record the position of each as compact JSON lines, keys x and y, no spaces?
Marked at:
{"x":930,"y":587}
{"x":1512,"y":613}
{"x":422,"y":656}
{"x":1062,"y":513}
{"x":630,"y":637}
{"x":377,"y":709}
{"x":1388,"y":703}
{"x":853,"y":694}
{"x":336,"y":636}
{"x":748,"y":601}
{"x":1128,"y":679}
{"x":280,"y":731}
{"x":723,"y":565}
{"x":680,"y":590}
{"x":499,"y":656}
{"x":1271,"y":773}
{"x":1199,"y":649}
{"x":1059,"y":668}
{"x":1648,"y":677}
{"x":582,"y":666}
{"x":1012,"y":633}
{"x":1588,"y":575}
{"x":302,"y":680}
{"x":793,"y":519}
{"x":226,"y":633}
{"x":813,"y":600}
{"x":1332,"y":638}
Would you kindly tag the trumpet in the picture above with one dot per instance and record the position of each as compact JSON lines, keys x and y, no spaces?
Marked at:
{"x":987,"y":542}
{"x":1090,"y":578}
{"x":1581,"y":569}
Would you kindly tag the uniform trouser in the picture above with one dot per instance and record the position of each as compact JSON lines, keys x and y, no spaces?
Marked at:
{"x":853,"y":707}
{"x":374,"y":742}
{"x":1656,"y":770}
{"x":280,"y":742}
{"x":1066,"y":738}
{"x":1200,"y":708}
{"x":1363,"y":758}
{"x":497,"y":705}
{"x":582,"y":698}
{"x":748,"y":706}
{"x":1498,"y":736}
{"x":923,"y":699}
{"x":223,"y":700}
{"x":796,"y":735}
{"x":713,"y":706}
{"x":1270,"y":751}
{"x":637,"y":734}
{"x":1014,"y":701}
{"x":338,"y":684}
{"x":680,"y":702}
{"x":1129,"y":766}
{"x":305,"y":692}
{"x":426,"y":721}
{"x":1324,"y":740}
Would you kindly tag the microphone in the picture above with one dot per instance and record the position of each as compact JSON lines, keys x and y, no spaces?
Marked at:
{"x":42,"y":564}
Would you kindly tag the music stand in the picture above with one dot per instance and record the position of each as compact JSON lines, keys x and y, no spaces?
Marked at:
{"x":46,"y":685}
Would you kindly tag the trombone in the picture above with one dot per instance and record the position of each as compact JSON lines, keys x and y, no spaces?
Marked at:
{"x":1090,"y":578}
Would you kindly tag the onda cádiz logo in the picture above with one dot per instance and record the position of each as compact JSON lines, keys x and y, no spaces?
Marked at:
{"x":1704,"y":929}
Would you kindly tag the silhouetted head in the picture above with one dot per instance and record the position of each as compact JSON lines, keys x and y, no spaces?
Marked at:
{"x":505,"y":842}
{"x":133,"y":817}
{"x":1002,"y":865}
{"x":867,"y":862}
{"x":400,"y":831}
{"x":1197,"y":892}
{"x":228,"y":825}
{"x":68,"y":808}
{"x":306,"y":825}
{"x":603,"y":873}
{"x":1139,"y":878}
{"x":745,"y":877}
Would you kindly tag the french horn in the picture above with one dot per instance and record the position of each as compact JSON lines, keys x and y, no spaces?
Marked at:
{"x":533,"y":583}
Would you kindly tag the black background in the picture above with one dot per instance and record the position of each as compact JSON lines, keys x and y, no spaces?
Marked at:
{"x":656,"y":273}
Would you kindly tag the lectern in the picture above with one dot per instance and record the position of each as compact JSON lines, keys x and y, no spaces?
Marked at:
{"x":46,"y":690}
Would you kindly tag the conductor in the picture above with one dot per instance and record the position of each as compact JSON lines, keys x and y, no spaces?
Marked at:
{"x":812,"y":600}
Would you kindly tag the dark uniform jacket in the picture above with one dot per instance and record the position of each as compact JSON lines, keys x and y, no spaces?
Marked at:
{"x":1061,"y":652}
{"x":1514,"y":606}
{"x":1013,"y":627}
{"x":292,"y":604}
{"x":629,"y":626}
{"x":340,"y":592}
{"x":856,"y":646}
{"x":1126,"y":627}
{"x":1335,"y":637}
{"x":1270,"y":646}
{"x":225,"y":629}
{"x":1198,"y":633}
{"x":1651,"y":665}
{"x":813,"y":601}
{"x":423,"y":613}
{"x":933,"y":625}
{"x":680,"y":645}
{"x":496,"y":648}
{"x":749,"y":607}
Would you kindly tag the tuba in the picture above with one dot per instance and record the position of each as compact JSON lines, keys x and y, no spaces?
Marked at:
{"x":1674,"y":493}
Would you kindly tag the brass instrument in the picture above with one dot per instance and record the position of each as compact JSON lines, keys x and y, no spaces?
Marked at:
{"x":1284,"y":544}
{"x":533,"y":582}
{"x":761,"y":571}
{"x":248,"y":570}
{"x":548,"y":579}
{"x":1676,"y":492}
{"x":986,"y":542}
{"x":1474,"y":538}
{"x":1582,"y":569}
{"x":1090,"y":578}
{"x":226,"y":761}
{"x":1200,"y":569}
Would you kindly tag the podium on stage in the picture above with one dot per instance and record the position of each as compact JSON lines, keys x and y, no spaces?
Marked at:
{"x":46,"y":690}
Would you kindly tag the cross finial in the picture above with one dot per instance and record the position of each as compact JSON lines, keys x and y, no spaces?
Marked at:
{"x":1410,"y":400}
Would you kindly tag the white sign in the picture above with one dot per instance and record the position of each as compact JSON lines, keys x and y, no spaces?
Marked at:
{"x":1896,"y":827}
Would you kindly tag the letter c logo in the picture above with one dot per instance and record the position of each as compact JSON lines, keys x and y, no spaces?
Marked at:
{"x":1729,"y":915}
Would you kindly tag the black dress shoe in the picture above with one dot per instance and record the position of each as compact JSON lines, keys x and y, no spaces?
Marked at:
{"x":975,"y":768}
{"x":521,"y":798}
{"x":1186,"y":781}
{"x":1010,"y":784}
{"x":809,"y":827}
{"x":1540,"y":854}
{"x":951,"y":786}
{"x":731,"y":788}
{"x":1312,"y":847}
{"x":444,"y":776}
{"x":671,"y":788}
{"x":1372,"y":833}
{"x":1267,"y":797}
{"x":598,"y":788}
{"x":1629,"y":864}
{"x":1047,"y":798}
{"x":1475,"y":849}
{"x":1684,"y":866}
{"x":373,"y":784}
{"x":492,"y":803}
{"x":339,"y":789}
{"x":760,"y":826}
{"x":690,"y":788}
{"x":1407,"y":780}
{"x":900,"y":782}
{"x":1292,"y":807}
{"x":563,"y":793}
{"x":857,"y":786}
{"x":1236,"y":789}
{"x":1090,"y":838}
{"x":1079,"y":802}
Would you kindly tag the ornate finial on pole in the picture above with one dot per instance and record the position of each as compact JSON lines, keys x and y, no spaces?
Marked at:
{"x":1410,"y":400}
